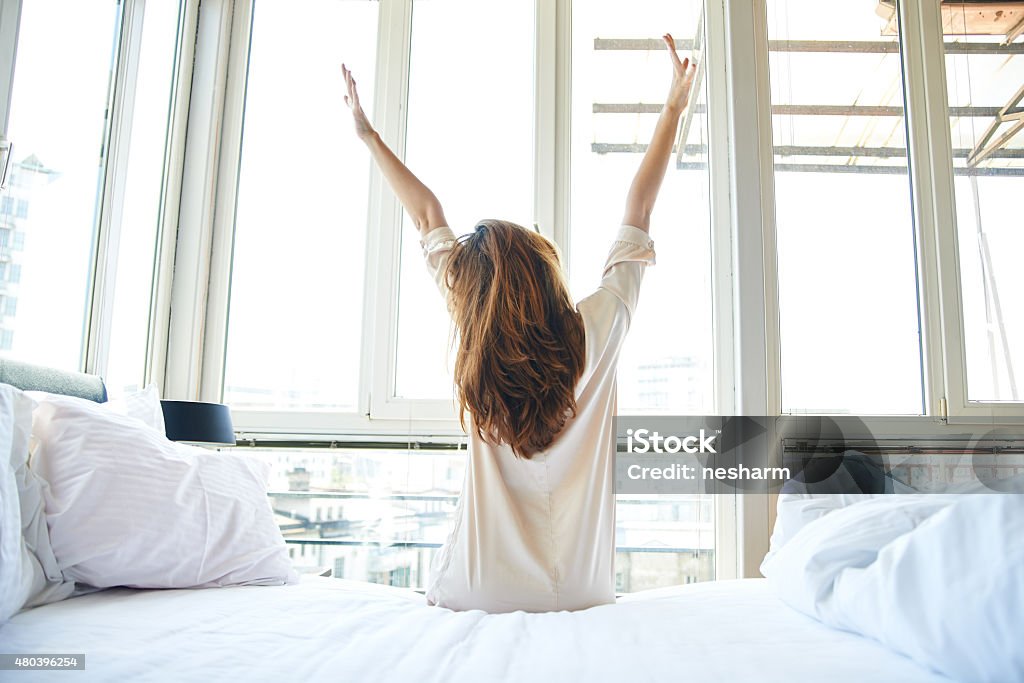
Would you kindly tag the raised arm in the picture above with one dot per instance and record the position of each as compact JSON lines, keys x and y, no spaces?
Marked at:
{"x":420,"y":203}
{"x":644,"y":190}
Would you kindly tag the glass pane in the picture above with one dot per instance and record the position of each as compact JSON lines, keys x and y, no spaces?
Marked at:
{"x":48,"y":211}
{"x":621,"y":76}
{"x":845,"y":235}
{"x":141,"y":212}
{"x":473,"y":146}
{"x":984,"y":76}
{"x":300,"y":225}
{"x":380,"y":515}
{"x":663,"y":540}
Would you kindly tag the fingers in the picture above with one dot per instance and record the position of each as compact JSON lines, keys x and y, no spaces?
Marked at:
{"x":670,"y":44}
{"x":352,"y":99}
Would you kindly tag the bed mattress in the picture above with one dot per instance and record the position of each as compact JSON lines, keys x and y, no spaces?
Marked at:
{"x":335,"y":630}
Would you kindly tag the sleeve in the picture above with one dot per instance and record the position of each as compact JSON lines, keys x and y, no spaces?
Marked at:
{"x":437,"y":247}
{"x":631,"y":253}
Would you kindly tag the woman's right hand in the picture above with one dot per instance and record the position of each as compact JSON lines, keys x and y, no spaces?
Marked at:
{"x":682,"y":76}
{"x":363,"y":127}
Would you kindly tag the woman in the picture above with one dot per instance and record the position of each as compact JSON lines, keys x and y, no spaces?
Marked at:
{"x":535,"y":380}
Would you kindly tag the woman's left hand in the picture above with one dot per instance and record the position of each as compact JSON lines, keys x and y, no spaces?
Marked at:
{"x":682,"y":76}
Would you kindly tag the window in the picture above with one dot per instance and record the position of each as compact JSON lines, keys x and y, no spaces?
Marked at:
{"x":333,"y":325}
{"x":19,"y":240}
{"x":394,"y":507}
{"x":399,"y":507}
{"x":140,"y":214}
{"x":6,"y":340}
{"x":294,"y":336}
{"x":473,"y":146}
{"x":620,"y":76}
{"x":57,"y":125}
{"x":983,"y":83}
{"x":9,"y":306}
{"x":847,"y":269}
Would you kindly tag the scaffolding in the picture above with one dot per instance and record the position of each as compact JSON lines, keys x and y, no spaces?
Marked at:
{"x":690,"y":156}
{"x":993,"y":145}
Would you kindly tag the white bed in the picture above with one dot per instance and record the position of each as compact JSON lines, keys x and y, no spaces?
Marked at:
{"x":328,"y":629}
{"x":936,"y":578}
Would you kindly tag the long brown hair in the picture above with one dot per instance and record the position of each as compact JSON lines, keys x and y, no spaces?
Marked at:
{"x":521,"y":340}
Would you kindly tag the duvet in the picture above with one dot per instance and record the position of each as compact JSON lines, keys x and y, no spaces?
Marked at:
{"x":938,"y":578}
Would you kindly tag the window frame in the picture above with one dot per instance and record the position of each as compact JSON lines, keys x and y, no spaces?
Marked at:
{"x":200,"y":188}
{"x":116,"y":139}
{"x":939,"y":274}
{"x":121,"y":106}
{"x":379,"y":411}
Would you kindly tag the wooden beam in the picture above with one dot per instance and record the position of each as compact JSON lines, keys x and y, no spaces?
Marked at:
{"x":959,"y":18}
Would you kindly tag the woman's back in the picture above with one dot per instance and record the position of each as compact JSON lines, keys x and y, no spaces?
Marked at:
{"x":538,"y":534}
{"x":535,"y":527}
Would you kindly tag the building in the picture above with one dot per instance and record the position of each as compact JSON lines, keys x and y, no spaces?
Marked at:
{"x":673,"y":383}
{"x":23,"y":181}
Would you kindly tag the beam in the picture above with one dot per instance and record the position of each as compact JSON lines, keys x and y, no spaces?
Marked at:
{"x":820,"y":46}
{"x":695,"y":86}
{"x":813,"y":110}
{"x":804,"y":150}
{"x":983,"y":149}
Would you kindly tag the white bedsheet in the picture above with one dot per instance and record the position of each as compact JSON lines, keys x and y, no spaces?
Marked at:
{"x":334,"y":630}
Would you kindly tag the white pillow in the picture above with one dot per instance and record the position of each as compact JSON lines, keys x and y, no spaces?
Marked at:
{"x":127,"y":507}
{"x":29,"y":573}
{"x":799,"y":504}
{"x":143,"y":405}
{"x":14,"y":408}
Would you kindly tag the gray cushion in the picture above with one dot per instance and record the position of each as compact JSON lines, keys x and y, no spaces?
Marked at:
{"x":28,"y":377}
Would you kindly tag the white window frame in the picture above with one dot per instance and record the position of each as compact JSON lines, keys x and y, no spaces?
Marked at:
{"x":110,"y":203}
{"x":387,"y":224}
{"x":755,"y":306}
{"x":108,"y":231}
{"x":935,"y":207}
{"x":931,"y":174}
{"x":10,"y":20}
{"x":186,"y":340}
{"x":379,"y":411}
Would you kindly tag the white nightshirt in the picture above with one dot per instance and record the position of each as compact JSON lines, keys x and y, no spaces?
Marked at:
{"x":539,"y":535}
